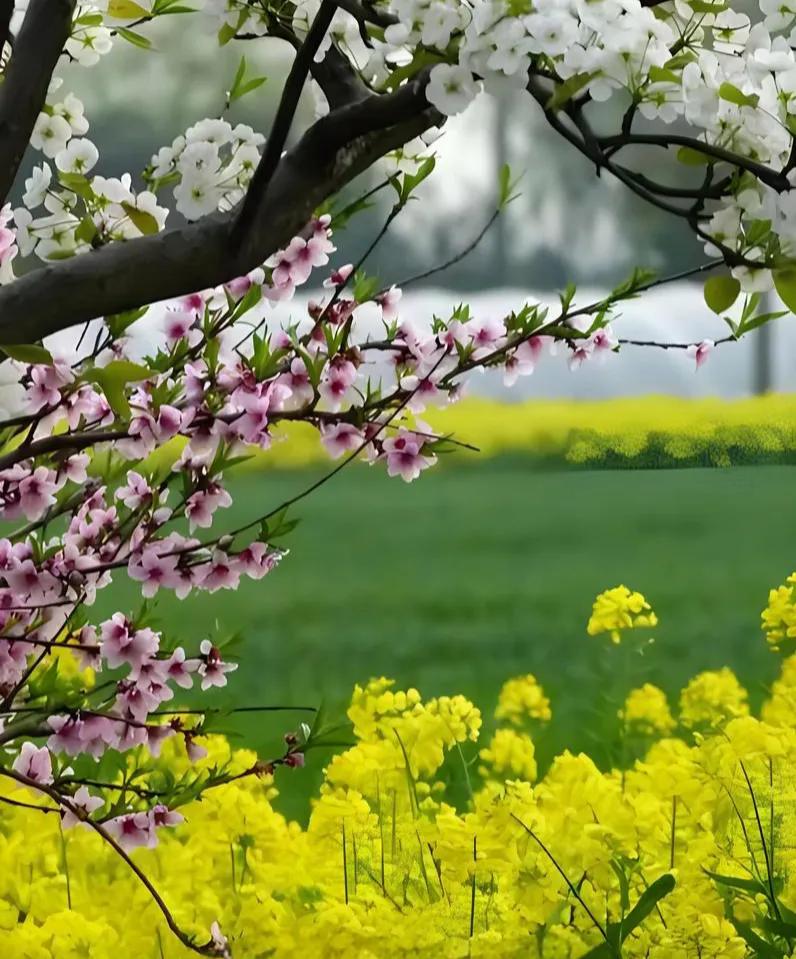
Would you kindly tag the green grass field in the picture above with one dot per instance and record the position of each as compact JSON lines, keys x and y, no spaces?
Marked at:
{"x":480,"y":572}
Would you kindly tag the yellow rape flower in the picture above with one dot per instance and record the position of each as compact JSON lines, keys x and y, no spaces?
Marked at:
{"x":711,"y":699}
{"x":509,"y":755}
{"x":522,"y":698}
{"x":779,"y":616}
{"x":619,"y":609}
{"x":647,"y":710}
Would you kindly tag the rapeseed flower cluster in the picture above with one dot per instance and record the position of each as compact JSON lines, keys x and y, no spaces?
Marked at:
{"x":689,"y":851}
{"x":620,"y":609}
{"x":779,"y":616}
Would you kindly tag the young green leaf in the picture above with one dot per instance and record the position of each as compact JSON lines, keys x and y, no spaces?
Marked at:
{"x":785,"y":285}
{"x":721,"y":292}
{"x":27,"y":353}
{"x":142,"y":220}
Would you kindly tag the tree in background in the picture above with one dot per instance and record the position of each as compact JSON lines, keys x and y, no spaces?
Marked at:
{"x":112,"y":461}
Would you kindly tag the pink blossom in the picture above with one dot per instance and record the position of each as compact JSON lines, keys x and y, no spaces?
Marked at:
{"x":178,"y":669}
{"x":98,"y":733}
{"x":136,"y":492}
{"x":296,"y":760}
{"x":195,"y":382}
{"x":219,"y":573}
{"x":388,"y":301}
{"x":424,"y":390}
{"x":579,"y":354}
{"x":83,"y":801}
{"x":142,"y":440}
{"x":338,"y":378}
{"x":194,"y":302}
{"x":36,"y":492}
{"x":76,"y":467}
{"x":46,"y":384}
{"x":163,"y":816}
{"x":132,"y":830}
{"x":178,"y":324}
{"x":212,"y":669}
{"x":339,"y":276}
{"x":193,"y":749}
{"x":168,"y":423}
{"x":293,"y":265}
{"x":297,"y":380}
{"x":405,"y":457}
{"x":219,"y":941}
{"x":153,"y":571}
{"x":35,"y":764}
{"x":122,"y":644}
{"x":27,"y":581}
{"x":256,"y":560}
{"x":700,"y":352}
{"x":202,"y":504}
{"x":603,"y":340}
{"x":133,"y":702}
{"x":340,"y":438}
{"x":239,"y":286}
{"x":65,"y":737}
{"x":522,"y":361}
{"x":485,"y":335}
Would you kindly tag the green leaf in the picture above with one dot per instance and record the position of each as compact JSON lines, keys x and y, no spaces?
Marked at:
{"x":248,"y":301}
{"x":77,"y":183}
{"x":762,"y":949}
{"x":779,"y":927}
{"x":126,"y":10}
{"x":142,"y":220}
{"x":662,"y":75}
{"x":365,"y":287}
{"x":113,"y":380}
{"x":507,"y":186}
{"x":704,"y":6}
{"x":746,"y":326}
{"x":647,"y":901}
{"x":117,"y":323}
{"x":240,"y":85}
{"x":731,"y":93}
{"x":618,"y":932}
{"x":721,"y":292}
{"x":250,"y":85}
{"x":785,"y":285}
{"x":754,"y":886}
{"x":136,"y":39}
{"x":565,"y":91}
{"x":691,"y":157}
{"x":27,"y":353}
{"x":86,"y":231}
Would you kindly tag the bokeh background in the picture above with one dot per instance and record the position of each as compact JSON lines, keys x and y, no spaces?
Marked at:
{"x":486,"y":567}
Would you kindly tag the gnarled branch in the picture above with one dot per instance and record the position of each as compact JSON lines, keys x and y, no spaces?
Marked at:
{"x":37,"y":48}
{"x":126,"y":275}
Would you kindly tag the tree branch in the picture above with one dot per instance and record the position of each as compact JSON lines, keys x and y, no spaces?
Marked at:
{"x":280,"y":129}
{"x":6,"y":12}
{"x":70,"y":442}
{"x":38,"y":46}
{"x":125,"y":275}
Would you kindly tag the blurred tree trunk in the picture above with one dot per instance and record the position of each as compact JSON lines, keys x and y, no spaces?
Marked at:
{"x":763,"y":366}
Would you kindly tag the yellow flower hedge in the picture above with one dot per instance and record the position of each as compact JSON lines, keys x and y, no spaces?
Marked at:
{"x":638,"y":431}
{"x":690,"y":852}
